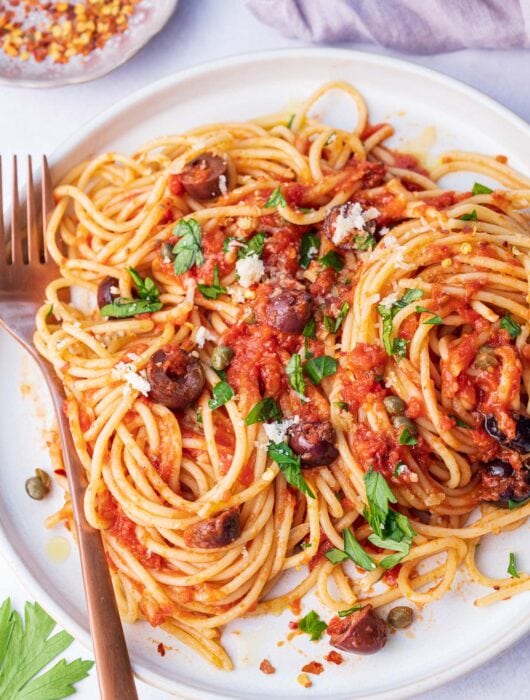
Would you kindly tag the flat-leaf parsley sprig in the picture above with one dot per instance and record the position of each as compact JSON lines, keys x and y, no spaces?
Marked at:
{"x":26,"y":648}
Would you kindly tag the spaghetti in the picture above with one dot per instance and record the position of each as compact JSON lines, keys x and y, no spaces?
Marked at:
{"x":306,"y":352}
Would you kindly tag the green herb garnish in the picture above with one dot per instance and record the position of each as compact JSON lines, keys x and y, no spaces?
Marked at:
{"x":508,"y":324}
{"x":212,"y":291}
{"x":310,"y":329}
{"x":266,"y":409}
{"x":309,"y":248}
{"x":366,"y":242}
{"x":388,"y":313}
{"x":434,"y":321}
{"x":254,"y":246}
{"x":470,"y":217}
{"x":148,"y":301}
{"x":333,"y":324}
{"x":289,"y":464}
{"x":478,"y":188}
{"x":222,"y":393}
{"x":276,"y":199}
{"x":332,"y":259}
{"x":319,"y":367}
{"x":295,"y":373}
{"x":352,"y":550}
{"x":188,"y":249}
{"x":407,"y":438}
{"x":349,"y":611}
{"x":512,"y":566}
{"x":312,"y":625}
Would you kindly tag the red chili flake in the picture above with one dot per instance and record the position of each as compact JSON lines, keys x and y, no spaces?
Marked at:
{"x":314,"y":667}
{"x":161,"y":649}
{"x":266,"y":667}
{"x":293,"y":625}
{"x":335,"y":658}
{"x":59,"y":472}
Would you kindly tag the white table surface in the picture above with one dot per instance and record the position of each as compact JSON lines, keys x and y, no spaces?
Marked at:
{"x":33,"y":121}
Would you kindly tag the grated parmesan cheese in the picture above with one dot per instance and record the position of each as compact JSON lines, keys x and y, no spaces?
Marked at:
{"x":277,"y":430}
{"x":351,"y":218}
{"x":127,"y":373}
{"x":202,"y":335}
{"x":222,"y":185}
{"x":250,"y":270}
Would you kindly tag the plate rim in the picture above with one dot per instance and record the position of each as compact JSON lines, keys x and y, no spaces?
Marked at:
{"x":8,"y":551}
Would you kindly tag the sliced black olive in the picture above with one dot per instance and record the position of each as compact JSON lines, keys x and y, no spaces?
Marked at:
{"x":108,"y":291}
{"x":176,"y":378}
{"x":520,"y":443}
{"x":289,"y":310}
{"x":313,"y":441}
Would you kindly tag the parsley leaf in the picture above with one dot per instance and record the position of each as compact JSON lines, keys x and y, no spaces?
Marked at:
{"x":212,"y":291}
{"x":309,"y":248}
{"x":312,"y":625}
{"x":333,"y":324}
{"x":407,"y":438}
{"x":512,"y":566}
{"x":148,"y":300}
{"x":319,"y":367}
{"x":434,"y":321}
{"x":367,"y":242}
{"x":26,"y":648}
{"x":276,"y":199}
{"x":222,"y":393}
{"x":123,"y":308}
{"x":332,"y":259}
{"x":461,"y":423}
{"x":379,"y":495}
{"x":478,"y":188}
{"x":470,"y":217}
{"x":513,"y":328}
{"x":517,"y":504}
{"x":310,"y":329}
{"x":289,"y":464}
{"x":353,"y":551}
{"x":254,"y":246}
{"x":388,"y":313}
{"x":264,"y":410}
{"x":290,"y":122}
{"x":349,"y":611}
{"x":187,"y":250}
{"x":295,"y":374}
{"x":50,"y":311}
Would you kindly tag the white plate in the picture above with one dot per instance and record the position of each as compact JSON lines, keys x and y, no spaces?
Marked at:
{"x":149,"y":17}
{"x":449,"y":638}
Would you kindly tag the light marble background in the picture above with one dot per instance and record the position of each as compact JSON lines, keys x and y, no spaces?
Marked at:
{"x":33,"y":121}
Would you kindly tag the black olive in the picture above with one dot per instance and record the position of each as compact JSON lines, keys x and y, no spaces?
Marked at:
{"x":289,"y":310}
{"x":520,"y":443}
{"x":108,"y":291}
{"x":313,"y":441}
{"x":176,"y":378}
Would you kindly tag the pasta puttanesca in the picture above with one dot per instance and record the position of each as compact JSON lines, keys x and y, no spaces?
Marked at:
{"x":415,"y":292}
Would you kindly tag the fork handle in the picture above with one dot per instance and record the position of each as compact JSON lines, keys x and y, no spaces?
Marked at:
{"x":113,"y":665}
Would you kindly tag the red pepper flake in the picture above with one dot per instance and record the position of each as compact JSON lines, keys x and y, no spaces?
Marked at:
{"x":335,"y":658}
{"x":59,"y":472}
{"x":314,"y":667}
{"x":161,"y":649}
{"x":293,"y":624}
{"x":266,"y":667}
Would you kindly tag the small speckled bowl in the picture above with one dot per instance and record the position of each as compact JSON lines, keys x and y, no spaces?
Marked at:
{"x":149,"y":18}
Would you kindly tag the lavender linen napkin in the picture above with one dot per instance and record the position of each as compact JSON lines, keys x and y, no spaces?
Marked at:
{"x":412,"y":26}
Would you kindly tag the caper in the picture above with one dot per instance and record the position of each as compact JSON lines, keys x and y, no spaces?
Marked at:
{"x":221,"y":357}
{"x":404,"y":422}
{"x":35,"y":488}
{"x":394,"y":405}
{"x":400,"y":617}
{"x":485,"y":358}
{"x":44,"y":476}
{"x":166,"y":252}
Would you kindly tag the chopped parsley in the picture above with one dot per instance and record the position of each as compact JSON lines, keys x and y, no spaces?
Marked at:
{"x":50,"y":311}
{"x":188,"y":249}
{"x":391,"y":530}
{"x":276,"y":199}
{"x":319,"y":367}
{"x":254,"y":246}
{"x":332,"y":259}
{"x":388,"y":313}
{"x":508,"y":324}
{"x":310,"y":329}
{"x":478,"y":188}
{"x":148,"y":301}
{"x":222,"y":393}
{"x":290,"y":466}
{"x":333,"y":324}
{"x":295,"y":373}
{"x":312,"y":624}
{"x":407,"y":438}
{"x":290,"y":122}
{"x":434,"y":321}
{"x":309,"y":248}
{"x":212,"y":291}
{"x":352,"y":550}
{"x":349,"y":611}
{"x":366,"y":242}
{"x":264,"y":410}
{"x":512,"y":566}
{"x":517,"y":504}
{"x":472,"y":216}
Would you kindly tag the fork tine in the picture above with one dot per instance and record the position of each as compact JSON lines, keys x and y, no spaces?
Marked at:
{"x":47,"y":201}
{"x":16,"y":243}
{"x":34,"y":244}
{"x":3,"y":242}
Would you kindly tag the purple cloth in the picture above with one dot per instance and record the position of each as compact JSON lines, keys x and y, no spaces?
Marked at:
{"x":412,"y":26}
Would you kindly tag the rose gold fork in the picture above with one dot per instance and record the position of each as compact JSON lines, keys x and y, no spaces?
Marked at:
{"x":25,"y":269}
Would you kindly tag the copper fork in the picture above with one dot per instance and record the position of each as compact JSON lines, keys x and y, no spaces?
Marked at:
{"x":25,"y":269}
